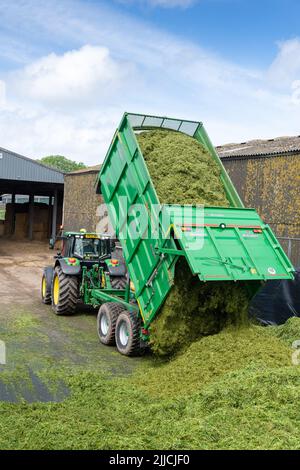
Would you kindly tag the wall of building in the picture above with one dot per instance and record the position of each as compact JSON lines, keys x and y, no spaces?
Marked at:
{"x":272,"y":186}
{"x":81,"y":201}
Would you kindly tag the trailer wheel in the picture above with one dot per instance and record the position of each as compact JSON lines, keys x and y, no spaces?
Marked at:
{"x":47,"y":285}
{"x":64,"y":293}
{"x":106,"y":322}
{"x":128,"y":329}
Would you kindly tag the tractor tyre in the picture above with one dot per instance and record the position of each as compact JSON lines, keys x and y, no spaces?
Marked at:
{"x":106,"y":322}
{"x":127,"y":334}
{"x":47,"y":285}
{"x":64,"y":293}
{"x":118,"y":282}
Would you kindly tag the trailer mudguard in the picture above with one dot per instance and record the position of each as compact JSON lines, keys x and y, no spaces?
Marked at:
{"x":68,"y":268}
{"x":49,"y":273}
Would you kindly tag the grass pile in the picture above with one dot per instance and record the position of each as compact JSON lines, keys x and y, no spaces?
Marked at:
{"x":183,"y":172}
{"x":194,"y":309}
{"x":235,"y":390}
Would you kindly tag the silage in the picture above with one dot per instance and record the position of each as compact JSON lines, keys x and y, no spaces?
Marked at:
{"x":184,"y":172}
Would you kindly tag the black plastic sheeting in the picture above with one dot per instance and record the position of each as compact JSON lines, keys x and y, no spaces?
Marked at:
{"x":277,"y":301}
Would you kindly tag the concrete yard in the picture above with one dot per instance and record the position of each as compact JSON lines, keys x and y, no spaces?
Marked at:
{"x":36,"y":340}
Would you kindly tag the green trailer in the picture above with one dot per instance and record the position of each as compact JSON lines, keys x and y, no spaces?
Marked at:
{"x":219,"y":243}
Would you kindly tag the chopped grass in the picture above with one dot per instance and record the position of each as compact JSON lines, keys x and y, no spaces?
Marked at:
{"x":214,"y":356}
{"x":183,"y":172}
{"x":235,"y":390}
{"x":289,"y":332}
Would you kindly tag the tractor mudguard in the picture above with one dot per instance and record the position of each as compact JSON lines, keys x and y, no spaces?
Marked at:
{"x":49,"y":272}
{"x":118,"y":270}
{"x":67,"y":268}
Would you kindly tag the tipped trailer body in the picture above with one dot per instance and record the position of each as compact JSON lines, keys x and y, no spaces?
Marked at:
{"x":233,"y":242}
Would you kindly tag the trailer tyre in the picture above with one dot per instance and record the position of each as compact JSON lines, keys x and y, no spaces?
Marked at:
{"x":64,"y":293}
{"x":47,"y":285}
{"x":128,"y":329}
{"x":106,"y":322}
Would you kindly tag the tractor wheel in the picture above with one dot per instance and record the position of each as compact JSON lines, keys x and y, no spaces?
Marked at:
{"x":47,"y":285}
{"x":118,"y":282}
{"x":64,"y":293}
{"x":106,"y":322}
{"x":127,"y":334}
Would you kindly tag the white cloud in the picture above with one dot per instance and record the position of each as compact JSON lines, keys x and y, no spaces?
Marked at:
{"x":2,"y":94}
{"x":286,"y":67}
{"x":71,"y":102}
{"x":78,"y":75}
{"x":161,"y":3}
{"x":172,"y":3}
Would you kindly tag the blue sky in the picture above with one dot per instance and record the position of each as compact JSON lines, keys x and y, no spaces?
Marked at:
{"x":70,"y":68}
{"x":245,"y":31}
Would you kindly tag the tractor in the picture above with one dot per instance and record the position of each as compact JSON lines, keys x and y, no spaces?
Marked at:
{"x":86,"y":260}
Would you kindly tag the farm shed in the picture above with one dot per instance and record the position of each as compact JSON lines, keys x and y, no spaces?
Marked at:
{"x":31,"y":195}
{"x":81,"y":203}
{"x":266,"y":174}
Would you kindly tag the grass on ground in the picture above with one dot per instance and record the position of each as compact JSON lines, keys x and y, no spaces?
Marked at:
{"x":233,"y":390}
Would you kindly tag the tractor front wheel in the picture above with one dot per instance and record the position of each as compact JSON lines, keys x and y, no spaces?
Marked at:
{"x":106,"y":322}
{"x":64,"y":293}
{"x":127,"y":334}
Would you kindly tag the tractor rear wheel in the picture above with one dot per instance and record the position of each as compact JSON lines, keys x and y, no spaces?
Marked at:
{"x":64,"y":293}
{"x":106,"y":322}
{"x":47,"y":285}
{"x":127,"y":334}
{"x":118,"y":282}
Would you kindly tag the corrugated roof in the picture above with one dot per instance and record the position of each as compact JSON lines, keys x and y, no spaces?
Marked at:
{"x":277,"y":146}
{"x":19,"y":168}
{"x":89,"y":169}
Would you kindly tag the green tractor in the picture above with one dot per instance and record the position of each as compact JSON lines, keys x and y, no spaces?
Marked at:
{"x":90,"y":269}
{"x":85,"y":258}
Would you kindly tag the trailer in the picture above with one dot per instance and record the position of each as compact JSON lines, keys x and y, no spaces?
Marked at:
{"x":228,"y":244}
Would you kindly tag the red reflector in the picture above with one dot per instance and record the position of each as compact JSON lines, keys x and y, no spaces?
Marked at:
{"x":114,"y":262}
{"x":145,"y":332}
{"x":257,"y":230}
{"x":186,"y":229}
{"x":72,"y":260}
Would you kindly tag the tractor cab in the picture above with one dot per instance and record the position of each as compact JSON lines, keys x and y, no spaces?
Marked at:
{"x":87,"y":248}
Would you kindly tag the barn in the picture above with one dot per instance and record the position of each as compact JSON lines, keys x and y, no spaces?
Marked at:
{"x":31,"y":196}
{"x":266,"y":174}
{"x":81,"y":203}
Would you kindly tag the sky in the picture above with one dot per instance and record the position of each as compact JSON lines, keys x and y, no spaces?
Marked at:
{"x":70,"y":68}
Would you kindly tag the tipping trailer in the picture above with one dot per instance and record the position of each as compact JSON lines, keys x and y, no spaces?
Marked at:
{"x":229,"y":243}
{"x":218,"y":243}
